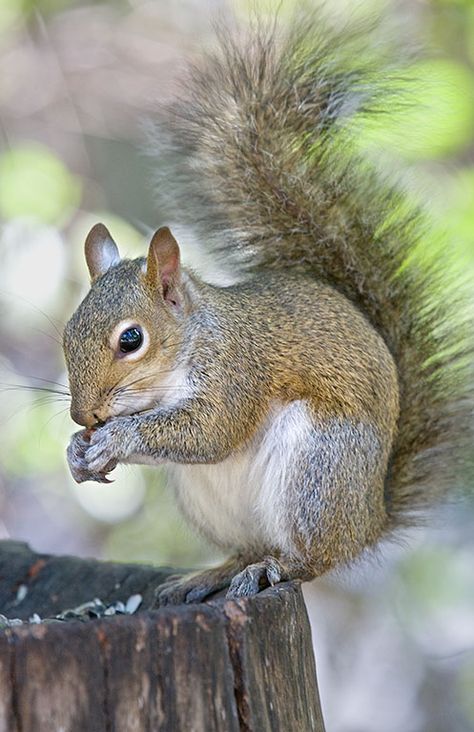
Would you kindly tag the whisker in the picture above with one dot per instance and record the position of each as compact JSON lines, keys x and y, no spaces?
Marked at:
{"x":30,"y":387}
{"x":49,"y":335}
{"x":169,"y":345}
{"x":35,"y":307}
{"x":45,"y":401}
{"x":142,"y":378}
{"x":38,"y":403}
{"x":123,"y":401}
{"x":174,"y":343}
{"x":61,"y":411}
{"x":55,"y":398}
{"x":125,"y":387}
{"x":49,"y":381}
{"x":41,"y":403}
{"x":111,"y":389}
{"x":50,"y":321}
{"x":150,"y":390}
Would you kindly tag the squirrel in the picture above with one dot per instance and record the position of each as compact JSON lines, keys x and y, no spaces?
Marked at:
{"x":320,"y":402}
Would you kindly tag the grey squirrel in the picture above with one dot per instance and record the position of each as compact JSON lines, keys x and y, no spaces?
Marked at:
{"x":315,"y":406}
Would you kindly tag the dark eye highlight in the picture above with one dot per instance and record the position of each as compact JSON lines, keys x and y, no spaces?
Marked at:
{"x":130,"y":340}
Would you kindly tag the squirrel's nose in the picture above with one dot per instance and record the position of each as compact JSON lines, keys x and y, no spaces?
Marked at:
{"x":84,"y":418}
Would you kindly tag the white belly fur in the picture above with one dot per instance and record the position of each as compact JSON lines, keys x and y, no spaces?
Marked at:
{"x":241,"y":502}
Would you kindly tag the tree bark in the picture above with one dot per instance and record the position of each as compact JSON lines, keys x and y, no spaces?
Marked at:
{"x":223,"y":665}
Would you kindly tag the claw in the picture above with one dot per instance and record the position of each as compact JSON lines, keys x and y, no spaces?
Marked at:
{"x":171,"y":592}
{"x":188,"y":590}
{"x":80,"y":469}
{"x":255,"y":577}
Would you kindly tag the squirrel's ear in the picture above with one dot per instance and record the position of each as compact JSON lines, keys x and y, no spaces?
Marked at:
{"x":163,"y":263}
{"x":101,"y":251}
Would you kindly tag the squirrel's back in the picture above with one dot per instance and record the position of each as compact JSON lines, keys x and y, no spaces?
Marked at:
{"x":262,"y":136}
{"x":317,"y":346}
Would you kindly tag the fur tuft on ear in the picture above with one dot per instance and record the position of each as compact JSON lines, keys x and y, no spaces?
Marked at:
{"x":163,"y":263}
{"x":101,"y":251}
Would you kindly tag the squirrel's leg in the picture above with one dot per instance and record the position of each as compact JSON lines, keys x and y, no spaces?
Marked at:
{"x":336,"y":500}
{"x":328,"y":490}
{"x":333,"y":503}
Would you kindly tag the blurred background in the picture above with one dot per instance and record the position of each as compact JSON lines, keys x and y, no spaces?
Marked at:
{"x":394,"y":637}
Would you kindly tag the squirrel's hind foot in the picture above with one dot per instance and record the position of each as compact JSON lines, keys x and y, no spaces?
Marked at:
{"x":197,"y":587}
{"x":242,"y":577}
{"x":256,"y":577}
{"x":186,"y":590}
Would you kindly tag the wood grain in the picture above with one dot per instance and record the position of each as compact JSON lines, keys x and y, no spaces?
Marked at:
{"x":220,"y":666}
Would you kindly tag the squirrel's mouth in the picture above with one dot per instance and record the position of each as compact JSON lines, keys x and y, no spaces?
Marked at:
{"x":97,"y":425}
{"x":124,"y":413}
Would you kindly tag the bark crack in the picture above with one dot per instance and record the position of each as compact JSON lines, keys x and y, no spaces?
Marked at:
{"x":236,"y":619}
{"x":103,"y":648}
{"x":15,"y":704}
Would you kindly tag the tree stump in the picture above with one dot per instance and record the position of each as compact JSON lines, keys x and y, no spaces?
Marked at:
{"x":223,"y":665}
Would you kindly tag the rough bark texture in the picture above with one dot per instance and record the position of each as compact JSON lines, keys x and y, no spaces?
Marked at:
{"x":219,"y":666}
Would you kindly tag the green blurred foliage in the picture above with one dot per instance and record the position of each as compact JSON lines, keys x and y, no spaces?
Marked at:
{"x":459,"y":216}
{"x":30,"y":447}
{"x":34,"y":183}
{"x":11,"y":11}
{"x":286,"y":8}
{"x":437,"y":578}
{"x":434,"y":117}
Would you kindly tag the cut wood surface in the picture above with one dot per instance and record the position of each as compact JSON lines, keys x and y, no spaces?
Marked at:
{"x":219,"y":666}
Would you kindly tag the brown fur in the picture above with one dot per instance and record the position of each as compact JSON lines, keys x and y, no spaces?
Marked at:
{"x":335,"y":335}
{"x":264,"y":122}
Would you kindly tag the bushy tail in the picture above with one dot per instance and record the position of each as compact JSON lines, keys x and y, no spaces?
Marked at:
{"x":263,"y":138}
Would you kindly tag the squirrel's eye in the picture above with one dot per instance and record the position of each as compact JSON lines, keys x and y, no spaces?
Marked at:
{"x":130,"y":340}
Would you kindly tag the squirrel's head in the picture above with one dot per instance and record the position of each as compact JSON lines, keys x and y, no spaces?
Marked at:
{"x":122,"y":342}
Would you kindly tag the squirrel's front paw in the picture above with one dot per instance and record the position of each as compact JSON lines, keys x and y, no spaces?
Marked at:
{"x":76,"y":451}
{"x":116,"y":440}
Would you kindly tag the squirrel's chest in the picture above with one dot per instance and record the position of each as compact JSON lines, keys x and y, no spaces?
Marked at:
{"x":243,"y":501}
